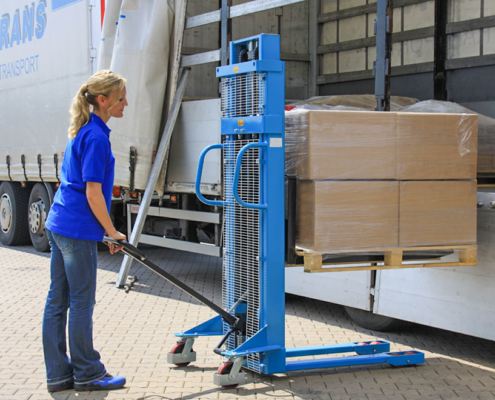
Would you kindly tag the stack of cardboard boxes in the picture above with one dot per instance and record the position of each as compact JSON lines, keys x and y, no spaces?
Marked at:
{"x":377,"y":180}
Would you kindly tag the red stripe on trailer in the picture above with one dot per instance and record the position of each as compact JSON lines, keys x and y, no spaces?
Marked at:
{"x":102,"y":11}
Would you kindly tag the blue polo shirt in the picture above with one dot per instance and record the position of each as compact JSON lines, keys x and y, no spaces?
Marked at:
{"x":87,"y":158}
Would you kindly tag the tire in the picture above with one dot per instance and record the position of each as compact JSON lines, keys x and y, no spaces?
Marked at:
{"x":375,"y":322}
{"x":38,"y":207}
{"x":14,"y":229}
{"x":178,"y":349}
{"x":225,"y":369}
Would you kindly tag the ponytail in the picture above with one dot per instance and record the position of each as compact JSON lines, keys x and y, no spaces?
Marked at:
{"x":102,"y":83}
{"x":80,"y":111}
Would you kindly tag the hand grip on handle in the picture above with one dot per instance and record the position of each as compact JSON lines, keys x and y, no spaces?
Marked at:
{"x":128,"y":248}
{"x":197,"y":185}
{"x":238,"y":173}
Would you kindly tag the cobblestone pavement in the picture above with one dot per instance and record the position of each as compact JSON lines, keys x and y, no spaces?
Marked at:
{"x":134,"y":332}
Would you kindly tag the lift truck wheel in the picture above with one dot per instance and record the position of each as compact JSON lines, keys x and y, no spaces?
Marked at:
{"x":225,"y":369}
{"x":375,"y":322}
{"x":404,"y":366}
{"x":178,"y":349}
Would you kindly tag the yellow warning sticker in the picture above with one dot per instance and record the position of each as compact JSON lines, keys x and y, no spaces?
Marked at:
{"x":236,"y":70}
{"x":240,"y":122}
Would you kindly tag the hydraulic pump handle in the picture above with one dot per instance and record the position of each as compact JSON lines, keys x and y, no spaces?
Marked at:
{"x":197,"y":185}
{"x":237,"y":174}
{"x":129,"y":248}
{"x":137,"y":255}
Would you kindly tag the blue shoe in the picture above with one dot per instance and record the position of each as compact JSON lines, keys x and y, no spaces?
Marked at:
{"x":58,"y":387}
{"x":108,"y":382}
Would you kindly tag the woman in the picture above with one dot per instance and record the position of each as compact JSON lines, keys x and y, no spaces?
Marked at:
{"x":78,"y":219}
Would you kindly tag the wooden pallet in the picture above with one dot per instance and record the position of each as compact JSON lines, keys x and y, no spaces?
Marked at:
{"x":393,"y":259}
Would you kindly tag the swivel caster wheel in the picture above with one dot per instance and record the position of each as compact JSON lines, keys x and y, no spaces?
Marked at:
{"x":182,"y":354}
{"x":229,"y":375}
{"x":177,"y":349}
{"x":225,"y":369}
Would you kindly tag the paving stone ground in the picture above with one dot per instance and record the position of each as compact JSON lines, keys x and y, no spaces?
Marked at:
{"x":134,"y":332}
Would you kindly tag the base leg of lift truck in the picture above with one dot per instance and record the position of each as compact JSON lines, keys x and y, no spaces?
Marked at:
{"x":371,"y":352}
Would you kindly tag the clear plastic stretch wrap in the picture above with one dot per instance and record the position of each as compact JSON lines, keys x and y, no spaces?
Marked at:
{"x":486,"y":128}
{"x":340,"y":144}
{"x":378,"y":180}
{"x":365,"y":102}
{"x":335,"y":144}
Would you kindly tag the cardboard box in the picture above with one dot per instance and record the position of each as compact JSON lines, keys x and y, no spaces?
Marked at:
{"x":336,"y":215}
{"x":436,"y":146}
{"x":361,"y":145}
{"x":437,"y":213}
{"x":341,"y":145}
{"x":354,"y":215}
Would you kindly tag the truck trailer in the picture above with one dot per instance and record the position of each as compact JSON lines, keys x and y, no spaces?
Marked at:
{"x":441,"y":50}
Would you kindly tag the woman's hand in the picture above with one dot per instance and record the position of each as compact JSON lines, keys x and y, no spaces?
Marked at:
{"x":117,"y":236}
{"x":98,"y":206}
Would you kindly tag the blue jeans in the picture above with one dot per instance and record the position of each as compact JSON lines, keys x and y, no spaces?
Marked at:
{"x":73,"y":286}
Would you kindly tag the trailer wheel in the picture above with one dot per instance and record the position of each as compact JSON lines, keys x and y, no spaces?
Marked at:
{"x":13,"y":216}
{"x":39,"y":206}
{"x":375,"y":322}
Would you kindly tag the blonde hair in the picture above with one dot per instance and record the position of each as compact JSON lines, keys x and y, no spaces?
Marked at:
{"x":102,"y":83}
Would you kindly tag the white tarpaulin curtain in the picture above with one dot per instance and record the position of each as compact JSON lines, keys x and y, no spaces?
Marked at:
{"x":41,"y":69}
{"x":135,"y":43}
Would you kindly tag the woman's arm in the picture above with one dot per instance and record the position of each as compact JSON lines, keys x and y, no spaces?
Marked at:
{"x":98,"y":205}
